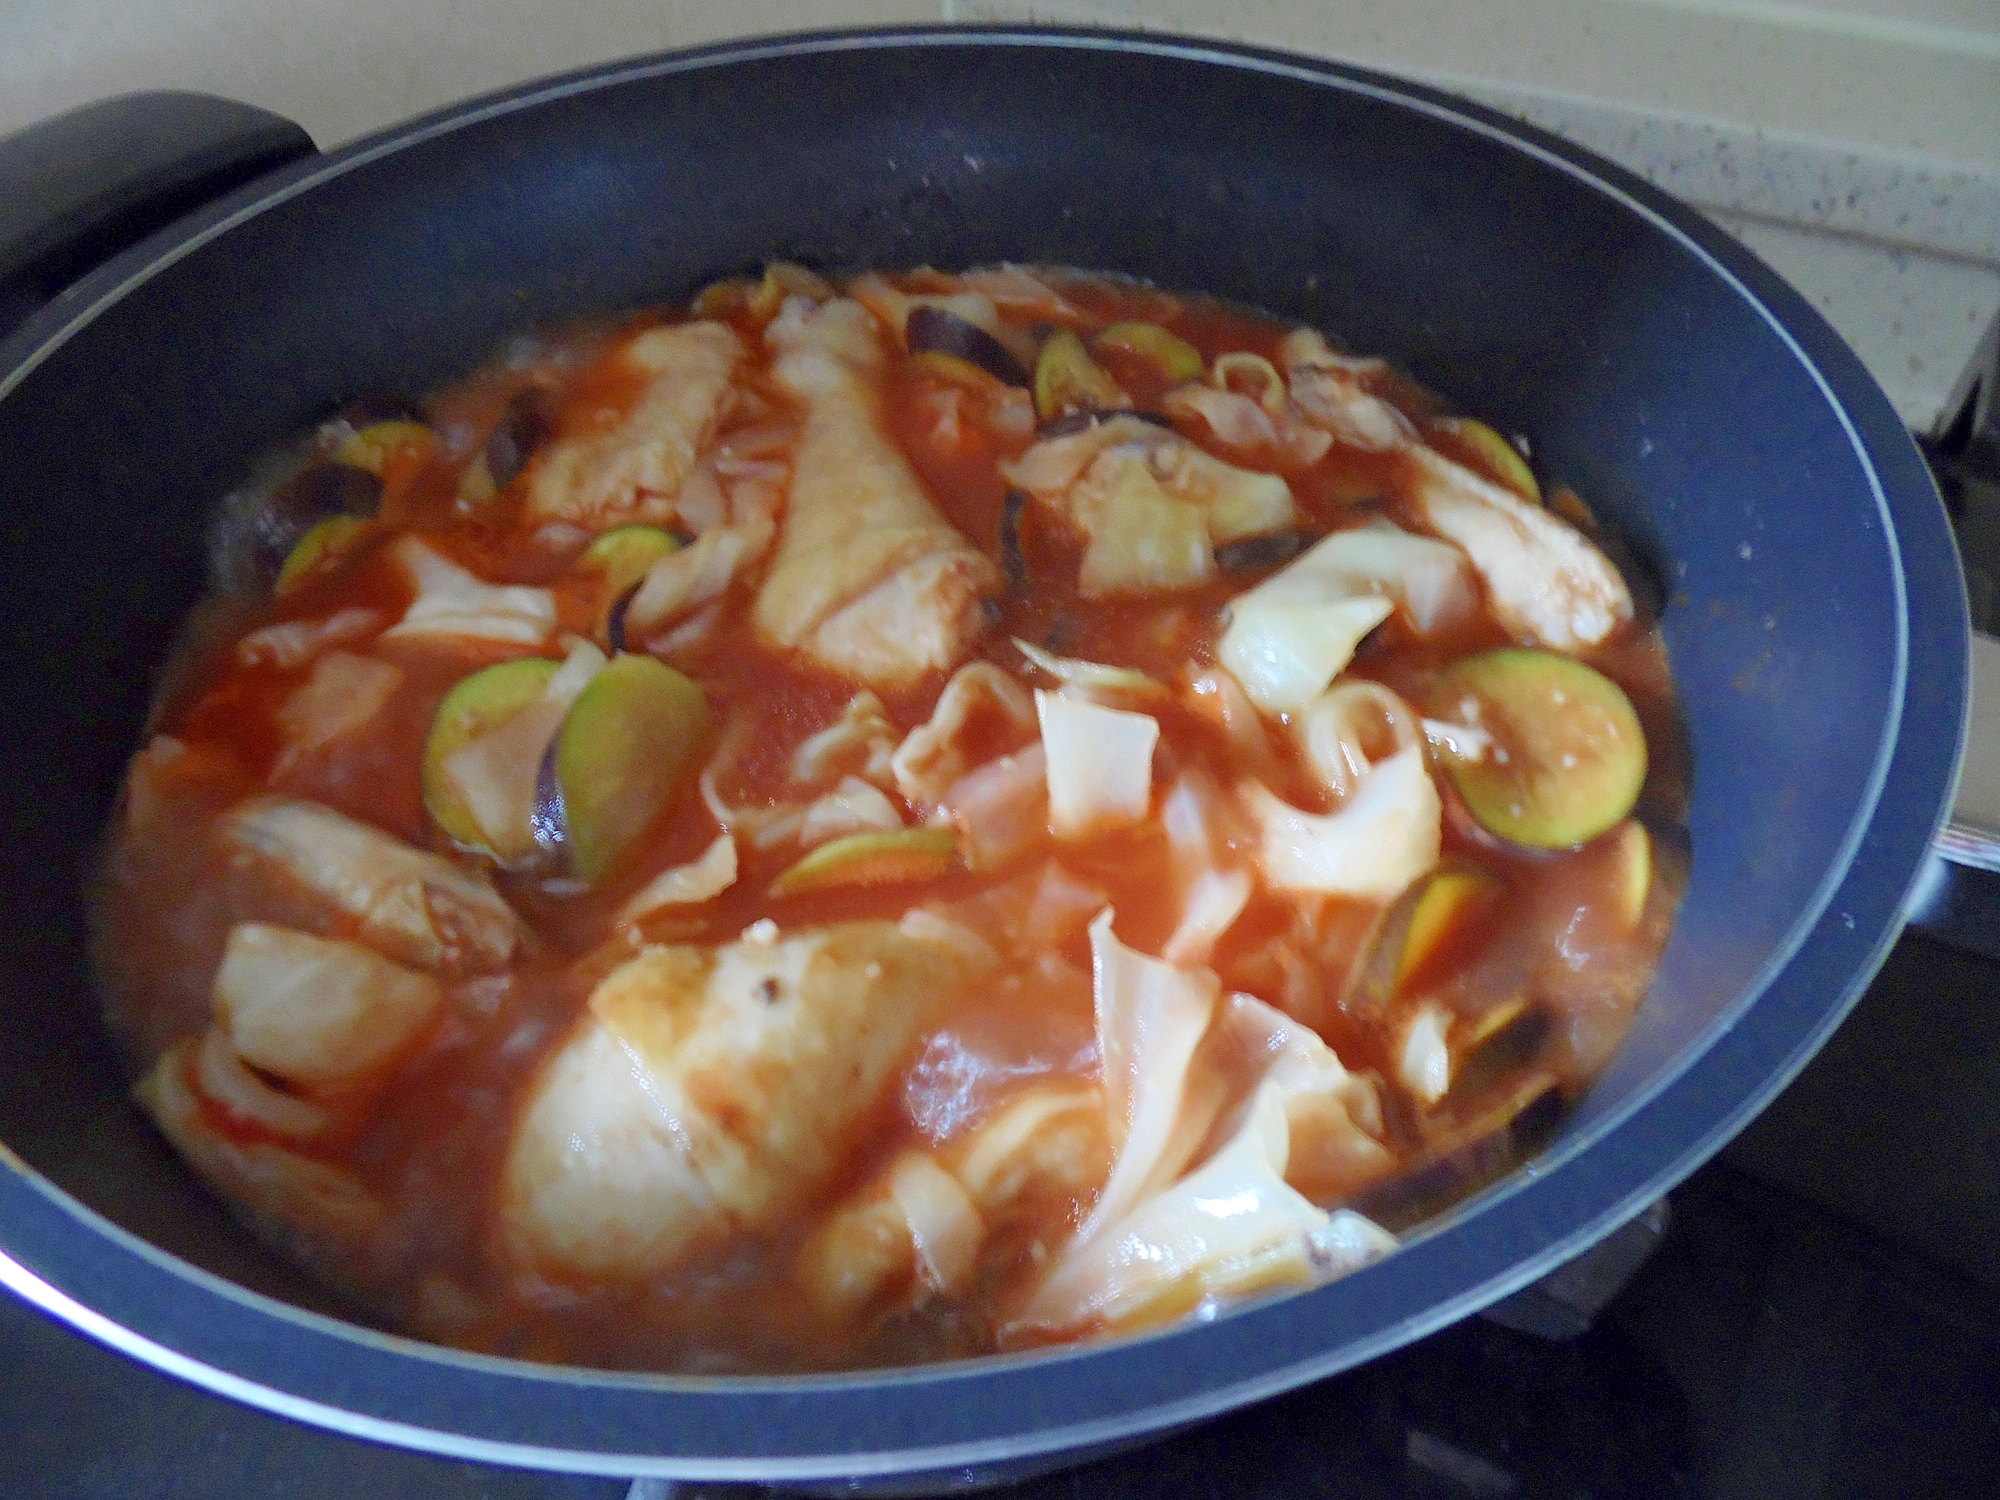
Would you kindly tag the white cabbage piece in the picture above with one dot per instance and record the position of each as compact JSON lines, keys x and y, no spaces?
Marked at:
{"x":320,"y":1212}
{"x":860,"y":741}
{"x":292,"y":643}
{"x":686,"y":885}
{"x":1377,"y":842}
{"x":1238,"y":421}
{"x":1229,"y":1229}
{"x":1350,"y":728}
{"x":1092,"y":677}
{"x":1001,"y":810}
{"x":1285,"y":652}
{"x":1100,"y":764}
{"x":1150,"y":504}
{"x":1429,"y":579}
{"x":316,"y":1011}
{"x":1289,"y":636}
{"x":851,"y":807}
{"x":454,"y":604}
{"x":684,"y":580}
{"x":226,"y":1079}
{"x":1335,"y":1116}
{"x":1213,"y":903}
{"x":1467,"y":742}
{"x":340,"y":699}
{"x":946,"y":1230}
{"x":1423,"y":1061}
{"x":1151,"y":1015}
{"x":980,"y":703}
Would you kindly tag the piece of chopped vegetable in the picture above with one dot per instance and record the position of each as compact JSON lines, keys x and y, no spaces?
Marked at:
{"x":1091,"y":674}
{"x":1568,"y":755}
{"x":317,"y":1011}
{"x":888,"y":857}
{"x":1251,"y":375}
{"x":1173,"y":355}
{"x":1285,"y":653}
{"x":1382,"y":838}
{"x":1499,"y":459}
{"x":1253,"y":554}
{"x":1067,"y":379}
{"x":473,"y":809}
{"x":623,"y":555}
{"x":1349,"y":728}
{"x":782,"y":279}
{"x":311,"y":496}
{"x":375,"y":446}
{"x":1430,"y":580}
{"x":945,"y":341}
{"x":626,"y":746}
{"x":686,"y":885}
{"x":527,"y":422}
{"x":1100,"y":764}
{"x":1446,"y":904}
{"x":452,"y":602}
{"x":1632,"y":880}
{"x":319,"y":549}
{"x":1423,"y":1061}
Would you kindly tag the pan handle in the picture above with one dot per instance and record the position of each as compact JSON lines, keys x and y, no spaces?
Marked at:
{"x":77,"y":189}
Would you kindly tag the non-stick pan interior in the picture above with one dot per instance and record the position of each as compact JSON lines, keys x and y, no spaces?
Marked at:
{"x":1535,"y":296}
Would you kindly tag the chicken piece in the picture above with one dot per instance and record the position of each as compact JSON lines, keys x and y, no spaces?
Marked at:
{"x":710,"y":1091}
{"x":317,"y":1012}
{"x":1151,"y":505}
{"x":922,"y":1224}
{"x":1049,"y":1145}
{"x":315,"y":1211}
{"x":869,"y":580}
{"x":634,"y":471}
{"x":1544,"y":579}
{"x":415,"y":907}
{"x":912,"y":1229}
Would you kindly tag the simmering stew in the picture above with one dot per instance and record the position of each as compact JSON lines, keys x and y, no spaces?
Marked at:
{"x":864,"y":822}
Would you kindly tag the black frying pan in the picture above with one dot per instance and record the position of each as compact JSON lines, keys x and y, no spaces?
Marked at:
{"x":1816,"y":620}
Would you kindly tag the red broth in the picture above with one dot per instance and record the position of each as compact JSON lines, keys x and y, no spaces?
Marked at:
{"x":1535,"y":974}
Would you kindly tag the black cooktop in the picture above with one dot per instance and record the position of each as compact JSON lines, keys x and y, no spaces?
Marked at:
{"x":1820,"y":1321}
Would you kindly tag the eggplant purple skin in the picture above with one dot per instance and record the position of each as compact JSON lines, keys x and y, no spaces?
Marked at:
{"x":936,"y":330}
{"x":365,"y":411}
{"x":547,"y":819}
{"x":526,"y":424}
{"x":316,"y":493}
{"x":1082,"y":421}
{"x":614,"y":618}
{"x":1012,"y":559}
{"x":1254,"y":554}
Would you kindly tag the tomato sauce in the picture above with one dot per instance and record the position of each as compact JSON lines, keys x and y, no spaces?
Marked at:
{"x":1557,"y":935}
